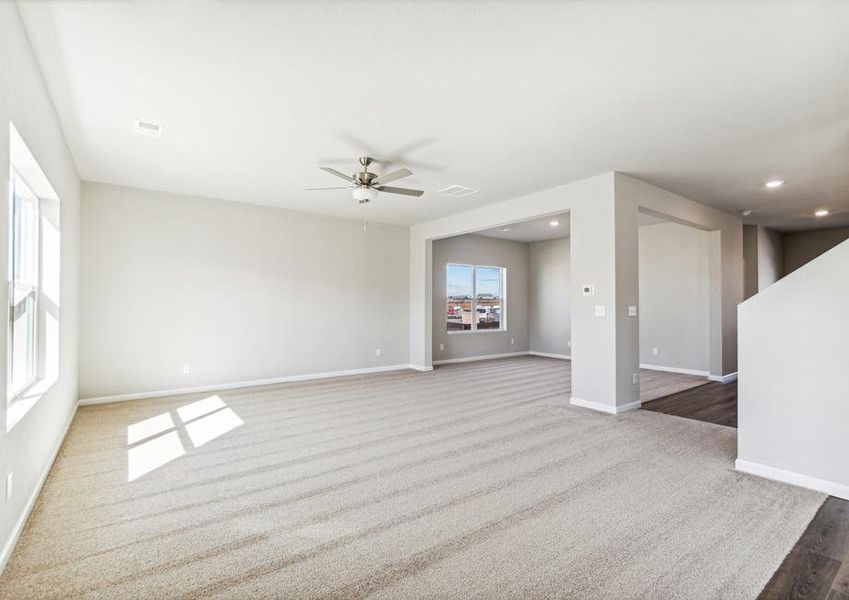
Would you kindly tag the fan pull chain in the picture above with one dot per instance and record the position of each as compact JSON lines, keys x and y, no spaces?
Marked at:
{"x":365,"y":219}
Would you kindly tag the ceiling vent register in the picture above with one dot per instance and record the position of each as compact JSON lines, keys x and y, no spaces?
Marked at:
{"x":458,"y":191}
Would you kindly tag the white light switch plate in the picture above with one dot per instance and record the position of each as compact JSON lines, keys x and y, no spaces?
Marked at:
{"x":600,"y":310}
{"x":632,"y":311}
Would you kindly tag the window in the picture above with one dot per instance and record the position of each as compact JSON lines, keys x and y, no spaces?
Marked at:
{"x":33,"y":276}
{"x":474,"y":298}
{"x":24,"y":289}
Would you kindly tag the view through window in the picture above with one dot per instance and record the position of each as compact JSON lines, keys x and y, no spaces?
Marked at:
{"x":475,"y":298}
{"x":24,"y":310}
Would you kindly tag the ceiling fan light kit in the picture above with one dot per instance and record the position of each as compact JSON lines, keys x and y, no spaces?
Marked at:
{"x":365,"y":185}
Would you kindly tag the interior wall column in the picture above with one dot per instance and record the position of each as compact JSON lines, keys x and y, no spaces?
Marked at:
{"x":605,"y":338}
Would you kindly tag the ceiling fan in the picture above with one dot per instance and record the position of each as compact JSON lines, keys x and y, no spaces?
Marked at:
{"x":366,"y":185}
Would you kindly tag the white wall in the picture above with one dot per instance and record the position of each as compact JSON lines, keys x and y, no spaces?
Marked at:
{"x":487,"y":251}
{"x":793,"y":406}
{"x":674,"y":297}
{"x":27,"y":450}
{"x":549,"y":297}
{"x":238,"y":292}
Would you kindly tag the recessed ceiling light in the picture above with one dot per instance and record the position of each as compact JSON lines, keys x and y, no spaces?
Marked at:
{"x":554,"y":223}
{"x":775,"y":183}
{"x":504,"y":229}
{"x":822,"y":213}
{"x":746,"y":212}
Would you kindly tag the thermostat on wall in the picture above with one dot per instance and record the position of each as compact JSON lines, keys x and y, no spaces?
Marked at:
{"x":588,"y":290}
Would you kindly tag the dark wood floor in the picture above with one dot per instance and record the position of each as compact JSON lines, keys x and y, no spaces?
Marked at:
{"x":818,"y":565}
{"x":712,"y":402}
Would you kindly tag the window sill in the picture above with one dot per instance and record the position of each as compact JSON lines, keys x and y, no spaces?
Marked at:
{"x":472,"y":332}
{"x":23,"y":402}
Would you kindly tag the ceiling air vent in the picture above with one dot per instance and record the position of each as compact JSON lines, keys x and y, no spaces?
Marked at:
{"x":458,"y":191}
{"x":147,"y":128}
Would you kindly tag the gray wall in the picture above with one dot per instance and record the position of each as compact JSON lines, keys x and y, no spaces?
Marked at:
{"x":802,"y":247}
{"x":674,"y":265}
{"x":750,"y":260}
{"x":674,"y":269}
{"x":27,"y":449}
{"x":480,"y":250}
{"x":549,"y":297}
{"x":763,"y":258}
{"x":770,"y":257}
{"x":238,"y":292}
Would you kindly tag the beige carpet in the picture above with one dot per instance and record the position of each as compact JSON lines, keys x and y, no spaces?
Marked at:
{"x":476,"y":480}
{"x":657,"y":384}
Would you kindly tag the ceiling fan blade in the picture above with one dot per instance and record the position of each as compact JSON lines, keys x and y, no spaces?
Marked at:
{"x":341,"y":187}
{"x":394,"y":175}
{"x":402,"y":191}
{"x":338,"y":174}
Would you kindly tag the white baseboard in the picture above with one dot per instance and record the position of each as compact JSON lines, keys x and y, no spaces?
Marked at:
{"x":550,"y":355}
{"x":724,"y":378}
{"x":479,"y":357}
{"x":422,"y":368}
{"x":9,"y":546}
{"x":675,"y":370}
{"x":243,"y":384}
{"x":812,"y":483}
{"x":605,"y":408}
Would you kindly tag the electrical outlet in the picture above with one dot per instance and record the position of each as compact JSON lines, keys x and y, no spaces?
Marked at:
{"x":378,"y":352}
{"x":634,"y":378}
{"x":655,"y":351}
{"x":8,"y":487}
{"x":512,"y":341}
{"x":632,"y":311}
{"x":441,"y":347}
{"x":600,"y":310}
{"x":186,"y":369}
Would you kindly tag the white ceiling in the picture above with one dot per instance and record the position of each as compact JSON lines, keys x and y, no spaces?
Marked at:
{"x":707,"y":99}
{"x":535,"y":230}
{"x":539,"y":230}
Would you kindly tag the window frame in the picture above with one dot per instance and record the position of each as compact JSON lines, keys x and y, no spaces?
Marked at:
{"x":503,"y":297}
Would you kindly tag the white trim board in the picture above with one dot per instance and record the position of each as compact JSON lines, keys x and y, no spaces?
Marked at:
{"x":724,"y":378}
{"x":675,"y":370}
{"x":550,"y":355}
{"x":479,"y":357}
{"x":10,"y":544}
{"x":812,"y":483}
{"x":244,"y":384}
{"x":605,"y":408}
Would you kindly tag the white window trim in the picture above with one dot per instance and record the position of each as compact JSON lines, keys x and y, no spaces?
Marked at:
{"x":474,"y":329}
{"x":19,"y":402}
